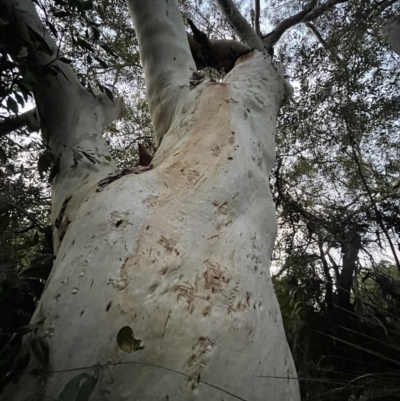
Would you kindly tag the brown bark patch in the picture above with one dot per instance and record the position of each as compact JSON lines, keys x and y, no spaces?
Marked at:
{"x":169,"y":244}
{"x":215,"y":278}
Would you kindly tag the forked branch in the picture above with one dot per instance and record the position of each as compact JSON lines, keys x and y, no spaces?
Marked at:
{"x":283,"y":26}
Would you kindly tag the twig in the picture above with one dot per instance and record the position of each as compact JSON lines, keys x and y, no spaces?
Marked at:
{"x":29,"y":119}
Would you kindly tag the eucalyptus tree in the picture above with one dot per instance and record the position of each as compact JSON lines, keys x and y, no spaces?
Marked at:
{"x":336,"y":187}
{"x":161,"y":272}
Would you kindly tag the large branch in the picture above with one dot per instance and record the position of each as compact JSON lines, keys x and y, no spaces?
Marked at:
{"x":51,"y":79}
{"x":28,"y":119}
{"x":283,"y":26}
{"x":71,"y":117}
{"x":243,"y":29}
{"x":165,"y":56}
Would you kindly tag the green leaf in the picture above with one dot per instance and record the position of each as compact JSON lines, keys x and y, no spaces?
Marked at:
{"x":40,"y":349}
{"x":55,"y":169}
{"x":3,"y":205}
{"x":20,"y":99}
{"x":61,"y":14}
{"x":8,"y":355}
{"x":89,"y":157}
{"x":33,"y":239}
{"x":55,"y":70}
{"x":39,"y":268}
{"x":22,"y":359}
{"x":83,"y":44}
{"x":12,"y":105}
{"x":79,"y":388}
{"x":102,"y":63}
{"x":127,"y":342}
{"x":52,"y":28}
{"x":65,"y":60}
{"x":86,"y":5}
{"x":4,"y":222}
{"x":109,"y":94}
{"x":76,"y":155}
{"x":108,"y":49}
{"x":96,"y":33}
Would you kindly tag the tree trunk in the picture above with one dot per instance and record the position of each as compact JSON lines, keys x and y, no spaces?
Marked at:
{"x":351,"y":247}
{"x":161,"y":288}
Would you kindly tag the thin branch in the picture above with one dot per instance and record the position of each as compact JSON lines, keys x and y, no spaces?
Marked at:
{"x":321,"y":40}
{"x":383,"y":6}
{"x":242,"y":28}
{"x":257,"y":17}
{"x":28,"y":119}
{"x":322,"y":9}
{"x":283,"y":26}
{"x":25,"y":213}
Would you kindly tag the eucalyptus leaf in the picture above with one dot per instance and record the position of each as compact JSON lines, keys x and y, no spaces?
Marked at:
{"x":79,"y":388}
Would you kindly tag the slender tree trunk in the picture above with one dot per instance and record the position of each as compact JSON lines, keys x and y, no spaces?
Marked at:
{"x":161,"y":288}
{"x":352,"y":246}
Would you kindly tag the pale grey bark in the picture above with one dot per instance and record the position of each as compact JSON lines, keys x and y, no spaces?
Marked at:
{"x":166,"y":59}
{"x":240,"y":25}
{"x":71,"y":117}
{"x":179,"y":253}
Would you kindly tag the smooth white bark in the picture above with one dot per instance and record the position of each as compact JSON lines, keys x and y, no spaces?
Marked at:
{"x":71,"y":118}
{"x":179,"y":253}
{"x":166,"y":58}
{"x":243,"y":29}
